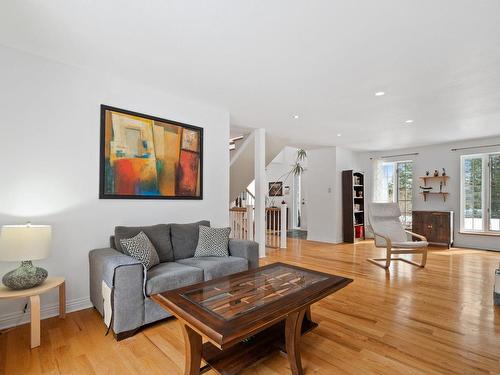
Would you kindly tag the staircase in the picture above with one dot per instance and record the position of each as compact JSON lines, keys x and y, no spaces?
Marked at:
{"x":241,"y":172}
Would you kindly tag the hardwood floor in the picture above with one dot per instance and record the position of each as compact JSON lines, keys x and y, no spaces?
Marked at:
{"x":437,"y":320}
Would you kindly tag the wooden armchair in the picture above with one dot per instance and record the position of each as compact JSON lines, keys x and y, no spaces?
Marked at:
{"x":390,"y":234}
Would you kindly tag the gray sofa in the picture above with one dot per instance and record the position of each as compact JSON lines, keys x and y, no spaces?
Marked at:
{"x":175,"y":244}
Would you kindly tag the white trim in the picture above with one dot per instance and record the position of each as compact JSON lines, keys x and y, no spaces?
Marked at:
{"x":48,"y":311}
{"x":485,"y":194}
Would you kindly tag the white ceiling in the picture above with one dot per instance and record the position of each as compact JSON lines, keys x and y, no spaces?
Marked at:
{"x":437,"y":60}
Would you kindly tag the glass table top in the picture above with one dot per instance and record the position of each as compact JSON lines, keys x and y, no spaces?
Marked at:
{"x":238,"y":295}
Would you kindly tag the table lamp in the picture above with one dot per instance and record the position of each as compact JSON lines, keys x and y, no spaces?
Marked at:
{"x":25,"y":243}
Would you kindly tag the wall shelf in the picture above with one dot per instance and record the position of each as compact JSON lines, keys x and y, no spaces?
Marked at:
{"x":444,"y":179}
{"x":443,"y":194}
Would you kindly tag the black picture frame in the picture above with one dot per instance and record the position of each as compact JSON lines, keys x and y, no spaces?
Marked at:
{"x":102,"y":157}
{"x":276,"y":189}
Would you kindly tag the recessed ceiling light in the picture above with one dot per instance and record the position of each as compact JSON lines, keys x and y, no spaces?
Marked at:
{"x":339,"y":135}
{"x":379,"y":93}
{"x":295,"y":117}
{"x":409,"y":121}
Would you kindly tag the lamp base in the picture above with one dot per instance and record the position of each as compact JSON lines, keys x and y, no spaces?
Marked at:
{"x":25,"y":276}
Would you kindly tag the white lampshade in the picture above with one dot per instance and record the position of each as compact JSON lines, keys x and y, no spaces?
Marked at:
{"x":25,"y":242}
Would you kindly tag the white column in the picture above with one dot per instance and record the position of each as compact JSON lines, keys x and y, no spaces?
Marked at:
{"x":283,"y":227}
{"x":260,"y":190}
{"x":250,"y":222}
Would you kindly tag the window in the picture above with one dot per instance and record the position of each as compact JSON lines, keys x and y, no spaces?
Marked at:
{"x":480,"y":193}
{"x":397,"y":186}
{"x":405,"y":196}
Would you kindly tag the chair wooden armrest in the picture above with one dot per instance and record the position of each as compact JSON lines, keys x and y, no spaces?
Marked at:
{"x":420,"y":237}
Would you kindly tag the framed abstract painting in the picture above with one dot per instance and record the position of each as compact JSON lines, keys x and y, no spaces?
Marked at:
{"x":146,"y":157}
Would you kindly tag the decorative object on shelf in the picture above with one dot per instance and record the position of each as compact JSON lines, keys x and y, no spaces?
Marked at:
{"x":426,"y":190}
{"x":427,"y":173}
{"x":444,"y":172}
{"x":25,"y":243}
{"x":276,"y":189}
{"x":146,"y":157}
{"x":496,"y":291}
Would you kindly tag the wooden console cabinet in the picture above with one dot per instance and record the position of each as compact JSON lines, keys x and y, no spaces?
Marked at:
{"x":436,"y":226}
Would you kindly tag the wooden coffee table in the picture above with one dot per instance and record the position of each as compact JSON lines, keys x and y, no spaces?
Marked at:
{"x":248,"y":316}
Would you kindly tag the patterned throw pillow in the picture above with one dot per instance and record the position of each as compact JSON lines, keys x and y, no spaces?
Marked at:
{"x":141,"y":248}
{"x":213,"y":242}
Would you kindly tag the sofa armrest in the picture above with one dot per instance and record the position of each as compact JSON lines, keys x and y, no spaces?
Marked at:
{"x":126,"y":276}
{"x":245,"y":249}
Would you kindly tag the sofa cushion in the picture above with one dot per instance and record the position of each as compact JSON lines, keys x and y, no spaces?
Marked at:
{"x":171,"y":275}
{"x":141,"y":248}
{"x":214,"y":267}
{"x":212,"y":242}
{"x":185,"y":238}
{"x":159,"y":235}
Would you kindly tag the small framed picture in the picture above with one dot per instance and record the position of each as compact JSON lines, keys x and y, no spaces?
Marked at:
{"x":276,"y":189}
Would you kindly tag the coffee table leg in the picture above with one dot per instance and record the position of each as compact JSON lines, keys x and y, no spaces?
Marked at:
{"x":192,"y":349}
{"x":292,"y":336}
{"x":35,"y":321}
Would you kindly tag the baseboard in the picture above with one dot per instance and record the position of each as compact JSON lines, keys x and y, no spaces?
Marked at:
{"x":48,"y":311}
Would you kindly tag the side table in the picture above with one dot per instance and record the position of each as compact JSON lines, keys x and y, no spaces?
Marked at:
{"x":34,"y":296}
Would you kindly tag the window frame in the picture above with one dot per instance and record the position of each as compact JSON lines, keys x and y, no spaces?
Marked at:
{"x":486,"y":192}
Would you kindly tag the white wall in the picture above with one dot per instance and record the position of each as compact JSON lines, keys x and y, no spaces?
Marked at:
{"x":278,"y":170}
{"x":49,"y":154}
{"x":322,"y":195}
{"x":437,"y":157}
{"x":346,"y":160}
{"x":324,"y":181}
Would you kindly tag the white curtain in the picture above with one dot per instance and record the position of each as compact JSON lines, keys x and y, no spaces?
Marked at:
{"x":379,"y":185}
{"x":379,"y":189}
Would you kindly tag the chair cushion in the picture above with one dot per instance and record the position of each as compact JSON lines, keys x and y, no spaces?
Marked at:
{"x":391,"y":228}
{"x":410,"y":244}
{"x":185,"y":238}
{"x":213,"y":242}
{"x":384,"y":209}
{"x":171,"y":275}
{"x":214,"y":267}
{"x":159,"y":235}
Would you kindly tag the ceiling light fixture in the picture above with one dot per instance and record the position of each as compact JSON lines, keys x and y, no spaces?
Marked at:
{"x":339,"y":135}
{"x":379,"y":93}
{"x":409,"y":121}
{"x":295,"y":117}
